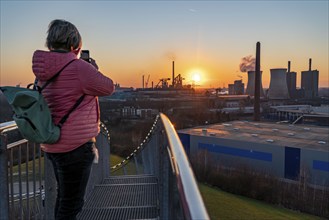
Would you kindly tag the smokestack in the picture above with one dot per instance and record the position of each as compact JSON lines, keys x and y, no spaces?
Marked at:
{"x":257,"y":85}
{"x":173,"y":73}
{"x":288,"y":66}
{"x":143,"y":82}
{"x":310,"y":64}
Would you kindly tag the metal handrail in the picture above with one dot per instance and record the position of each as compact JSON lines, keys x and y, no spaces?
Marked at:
{"x":7,"y":126}
{"x":191,"y":199}
{"x":20,"y":204}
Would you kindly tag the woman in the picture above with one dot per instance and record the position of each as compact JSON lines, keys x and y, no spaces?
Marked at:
{"x":72,"y":155}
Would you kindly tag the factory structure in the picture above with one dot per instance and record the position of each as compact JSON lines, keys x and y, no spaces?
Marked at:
{"x":286,"y":151}
{"x":164,"y":83}
{"x":251,"y":84}
{"x":237,"y":88}
{"x":310,"y":82}
{"x":283,"y":84}
{"x":282,"y":101}
{"x":278,"y":86}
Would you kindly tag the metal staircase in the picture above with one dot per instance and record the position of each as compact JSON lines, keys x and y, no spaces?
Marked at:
{"x":123,"y":197}
{"x":155,"y":182}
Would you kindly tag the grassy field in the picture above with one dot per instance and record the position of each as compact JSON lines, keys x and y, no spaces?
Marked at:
{"x":223,"y":205}
{"x":130,"y":168}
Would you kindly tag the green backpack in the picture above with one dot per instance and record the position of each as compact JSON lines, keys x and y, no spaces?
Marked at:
{"x":32,"y":115}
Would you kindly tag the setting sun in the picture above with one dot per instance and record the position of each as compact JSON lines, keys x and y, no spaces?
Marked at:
{"x":196,"y":77}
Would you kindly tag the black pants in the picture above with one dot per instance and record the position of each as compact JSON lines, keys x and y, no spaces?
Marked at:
{"x":72,"y":170}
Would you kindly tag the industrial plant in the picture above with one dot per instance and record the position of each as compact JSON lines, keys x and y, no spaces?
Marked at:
{"x":251,"y":84}
{"x":240,"y":100}
{"x":283,"y":84}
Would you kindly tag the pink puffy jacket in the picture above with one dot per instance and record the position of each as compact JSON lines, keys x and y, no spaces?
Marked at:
{"x":76,"y":79}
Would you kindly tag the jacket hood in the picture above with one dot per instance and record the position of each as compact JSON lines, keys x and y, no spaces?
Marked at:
{"x":45,"y":64}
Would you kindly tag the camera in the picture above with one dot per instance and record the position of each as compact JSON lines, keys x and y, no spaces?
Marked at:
{"x":85,"y":55}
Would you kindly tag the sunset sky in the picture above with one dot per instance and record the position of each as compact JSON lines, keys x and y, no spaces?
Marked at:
{"x":207,"y":39}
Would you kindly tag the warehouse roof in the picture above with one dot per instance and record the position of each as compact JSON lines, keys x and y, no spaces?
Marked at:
{"x":301,"y":136}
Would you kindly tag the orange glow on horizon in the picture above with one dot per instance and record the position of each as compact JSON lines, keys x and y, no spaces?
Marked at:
{"x":204,"y":73}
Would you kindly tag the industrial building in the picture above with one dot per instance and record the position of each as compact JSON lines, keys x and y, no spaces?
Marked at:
{"x":283,"y":84}
{"x":291,"y":82}
{"x":284,"y":150}
{"x":300,"y":113}
{"x":251,"y":84}
{"x":237,"y":88}
{"x":310,"y":82}
{"x":278,"y":84}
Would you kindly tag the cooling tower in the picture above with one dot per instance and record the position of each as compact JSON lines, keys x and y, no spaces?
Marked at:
{"x":251,"y":84}
{"x":278,"y":85}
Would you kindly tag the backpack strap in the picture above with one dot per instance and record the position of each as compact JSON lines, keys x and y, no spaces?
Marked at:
{"x":55,"y":76}
{"x":78,"y":102}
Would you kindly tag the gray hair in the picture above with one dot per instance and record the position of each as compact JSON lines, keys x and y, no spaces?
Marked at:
{"x":62,"y":35}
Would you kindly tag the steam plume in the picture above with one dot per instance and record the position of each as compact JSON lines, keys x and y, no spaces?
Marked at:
{"x":247,"y":63}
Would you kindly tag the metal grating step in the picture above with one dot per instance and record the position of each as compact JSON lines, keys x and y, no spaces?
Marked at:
{"x":130,"y":179}
{"x":118,"y":213}
{"x":123,"y":197}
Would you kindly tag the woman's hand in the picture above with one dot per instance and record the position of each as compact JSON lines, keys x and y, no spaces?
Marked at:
{"x":93,"y":62}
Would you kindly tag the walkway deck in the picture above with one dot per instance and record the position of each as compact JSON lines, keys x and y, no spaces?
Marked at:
{"x":161,"y":183}
{"x":123,"y":197}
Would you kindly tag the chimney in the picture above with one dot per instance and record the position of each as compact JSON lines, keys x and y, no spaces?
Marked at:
{"x":288,"y":66}
{"x":173,"y":73}
{"x":143,"y":82}
{"x":310,"y":64}
{"x":257,"y":85}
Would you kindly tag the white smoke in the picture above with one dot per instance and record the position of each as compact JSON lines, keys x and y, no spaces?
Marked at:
{"x":247,"y":63}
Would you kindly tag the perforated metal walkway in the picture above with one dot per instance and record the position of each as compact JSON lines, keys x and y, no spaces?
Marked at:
{"x":123,"y":197}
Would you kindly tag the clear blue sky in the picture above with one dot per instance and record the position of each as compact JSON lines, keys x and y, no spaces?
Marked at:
{"x":129,"y":39}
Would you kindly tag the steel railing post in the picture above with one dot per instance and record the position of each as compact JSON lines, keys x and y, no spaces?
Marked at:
{"x":103,"y":143}
{"x":4,"y":196}
{"x":50,"y":189}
